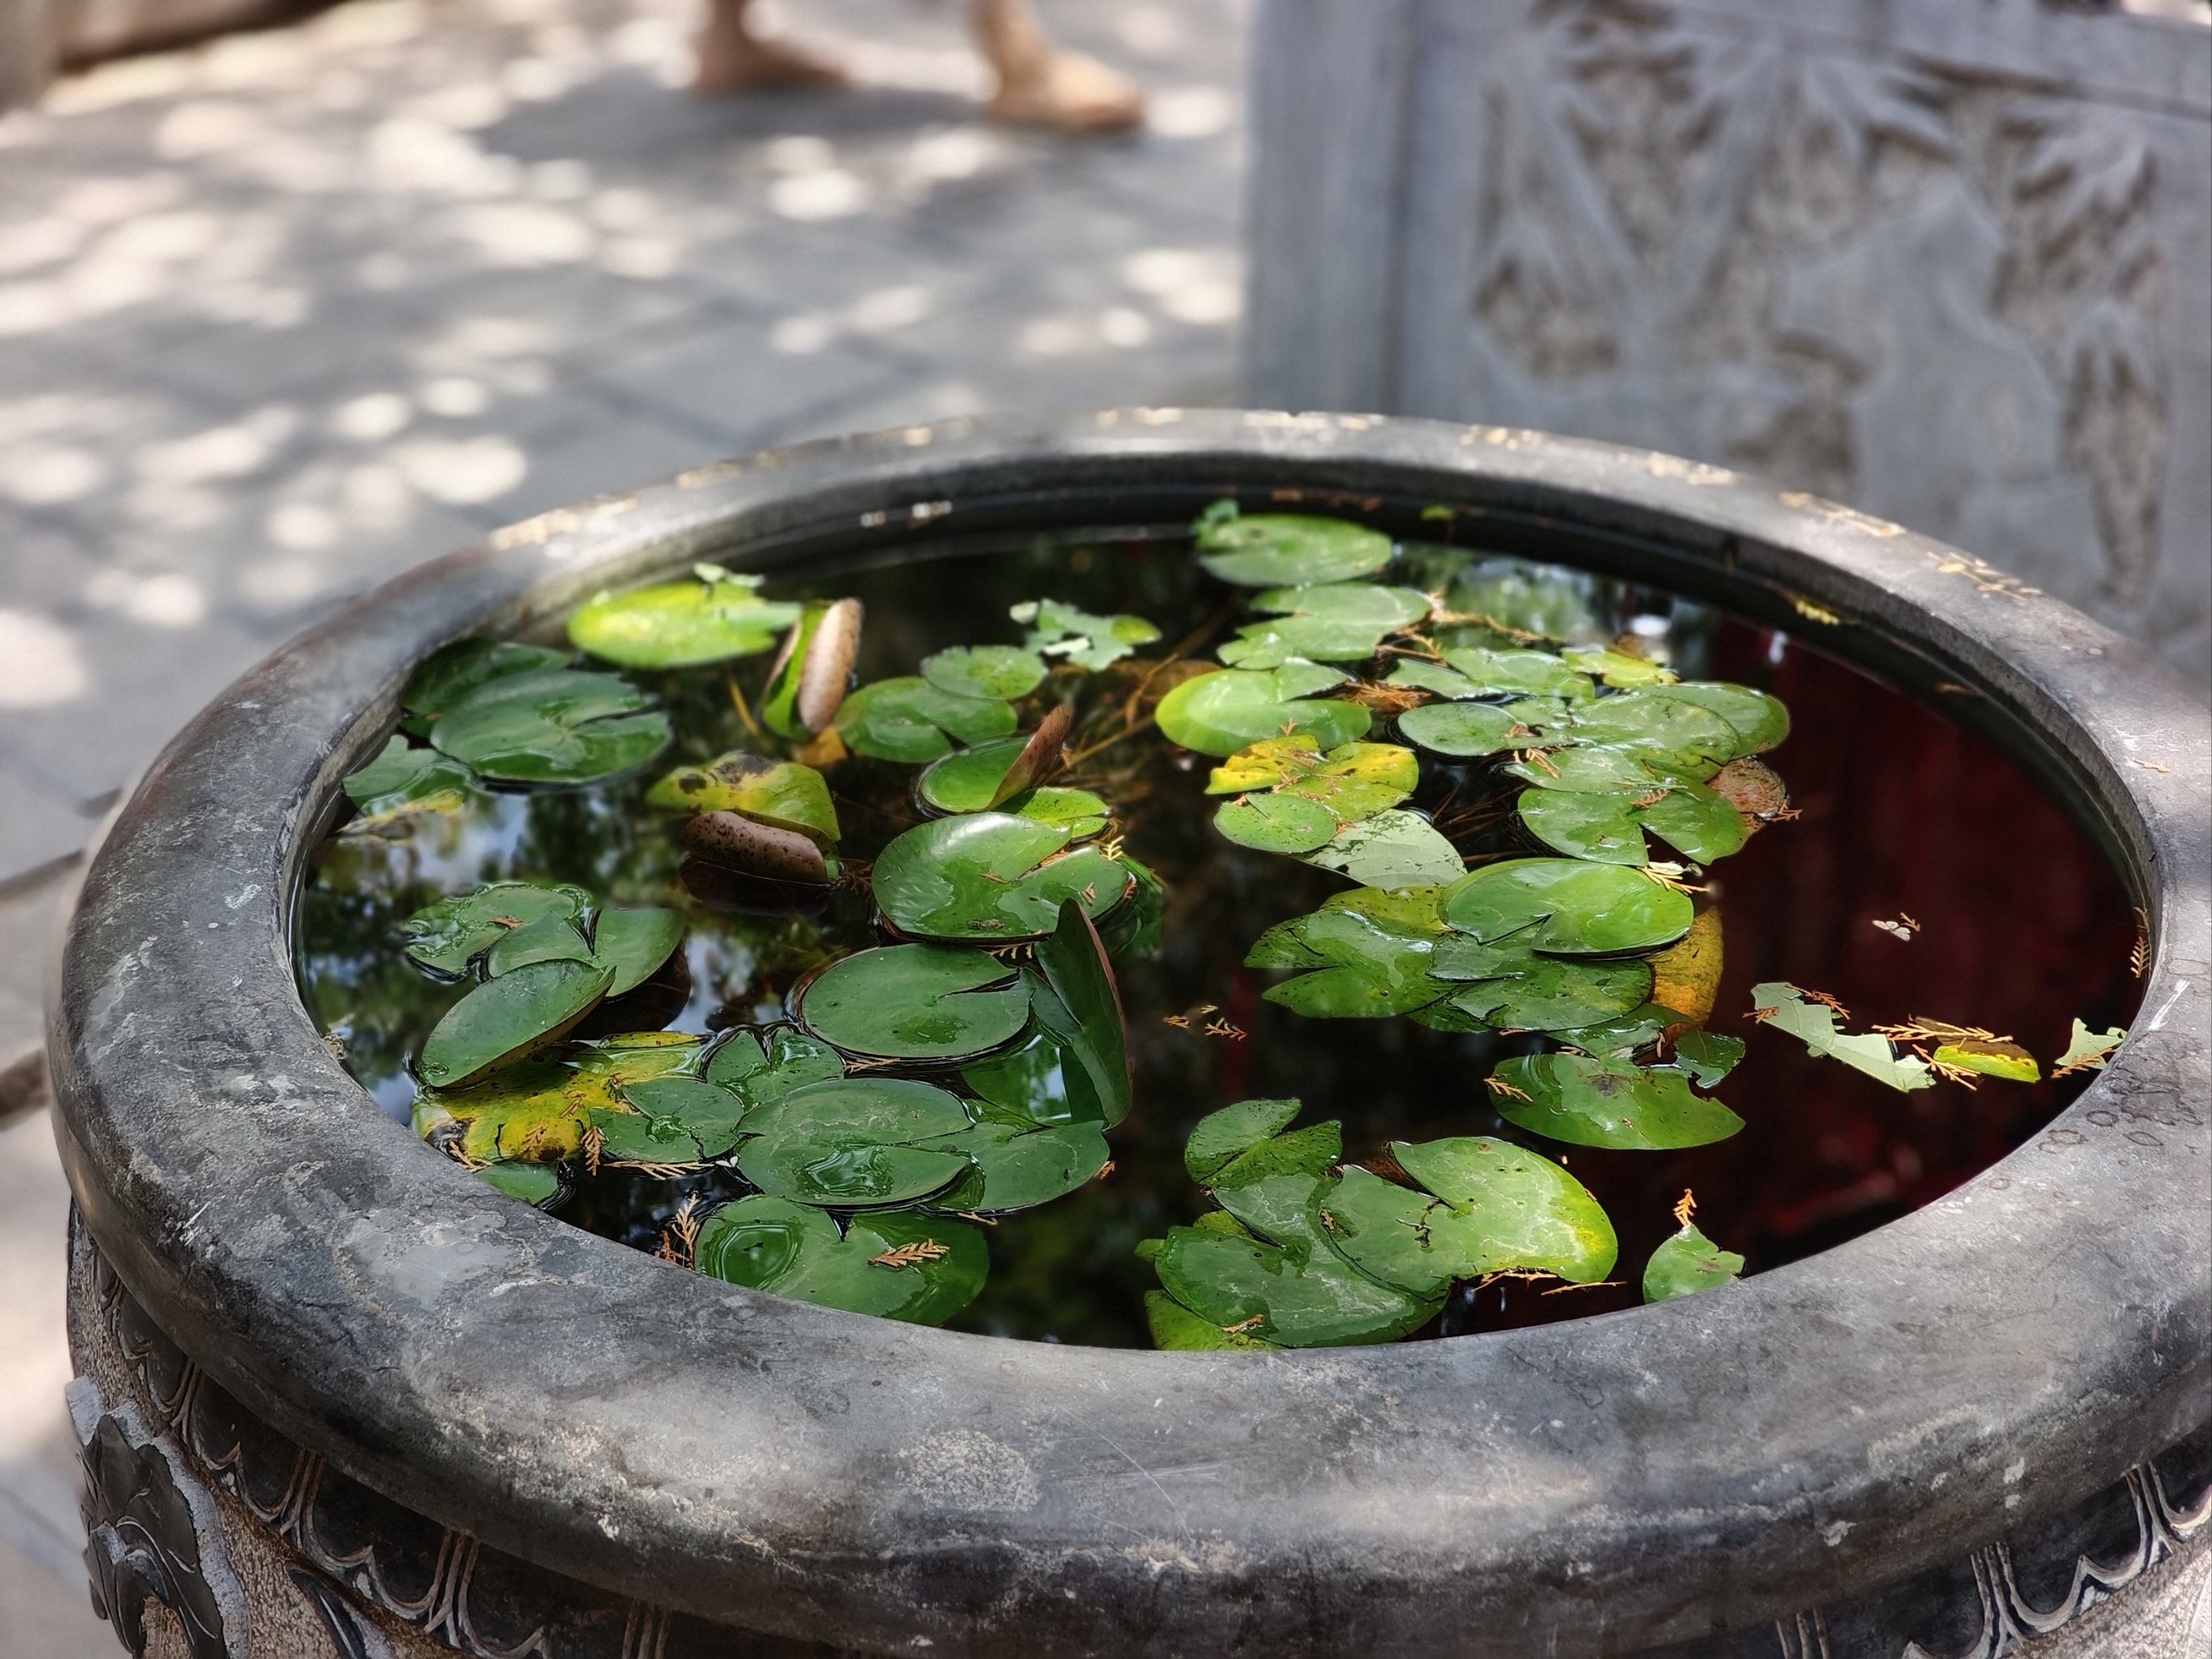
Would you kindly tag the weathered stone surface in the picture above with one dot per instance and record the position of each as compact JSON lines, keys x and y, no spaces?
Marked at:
{"x":1951,"y":264}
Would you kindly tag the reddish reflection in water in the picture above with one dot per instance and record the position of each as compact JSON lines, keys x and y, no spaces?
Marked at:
{"x":2023,"y":926}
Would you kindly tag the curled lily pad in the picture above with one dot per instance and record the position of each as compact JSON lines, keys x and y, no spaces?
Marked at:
{"x":553,"y":725}
{"x":1688,"y":1263}
{"x":1588,"y":1102}
{"x":508,"y":1019}
{"x":1391,"y":849}
{"x":711,"y":617}
{"x":404,"y":779}
{"x":1686,"y":976}
{"x":1038,"y":1080}
{"x":1464,"y":730}
{"x":922,"y":1269}
{"x":448,"y":936}
{"x":855,"y":1143}
{"x":1567,"y":905}
{"x":1078,"y":636}
{"x":733,"y":842}
{"x":1005,"y":672}
{"x":1786,"y":1008}
{"x":1353,"y":780}
{"x":1079,"y":1007}
{"x":1988,"y":1058}
{"x":915,"y":1002}
{"x":451,"y":672}
{"x":1488,"y":1207}
{"x":990,"y":876}
{"x":1334,"y":621}
{"x":910,"y":720}
{"x":1005,"y":774}
{"x":1619,"y":667}
{"x":1491,"y":673}
{"x":635,"y":943}
{"x":1221,"y":712}
{"x":1284,"y":550}
{"x":814,"y":670}
{"x":783,"y":795}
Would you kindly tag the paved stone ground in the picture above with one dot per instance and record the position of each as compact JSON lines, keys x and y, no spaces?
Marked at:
{"x":283,"y":314}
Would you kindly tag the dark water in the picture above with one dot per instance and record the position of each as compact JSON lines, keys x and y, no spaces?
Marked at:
{"x":2023,"y":926}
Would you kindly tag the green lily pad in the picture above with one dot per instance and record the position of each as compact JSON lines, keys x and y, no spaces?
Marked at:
{"x":1785,"y":1008}
{"x":1588,"y":1102}
{"x":1221,"y":712}
{"x":1464,"y":730}
{"x":1269,"y":823}
{"x":1078,"y":1005}
{"x":911,"y":721}
{"x":448,"y":936}
{"x":1567,"y":905}
{"x":1665,"y":730}
{"x":533,"y":1183}
{"x":1490,"y":1206}
{"x":1362,"y":966}
{"x":1291,"y":1287}
{"x":1391,"y":849}
{"x":708,"y":1115}
{"x":537,"y":1111}
{"x":1353,"y":780}
{"x":921,"y":1269}
{"x":509,"y":1018}
{"x":1760,"y":721}
{"x":1423,"y":675}
{"x":1019,"y":1166}
{"x":782,"y":794}
{"x":451,"y":672}
{"x":1609,"y":828}
{"x":1079,"y":636}
{"x":923,"y":1002}
{"x":762,"y":1072}
{"x":1004,"y":672}
{"x":1334,"y":621}
{"x":1225,"y":1135}
{"x":1311,"y":1150}
{"x":1033,"y":1080}
{"x":1493,"y":673}
{"x":1284,"y":550}
{"x":552,"y":938}
{"x":990,"y":876}
{"x":711,"y":617}
{"x":633,"y":943}
{"x":1618,"y":667}
{"x":1706,"y":1057}
{"x":1688,"y":1263}
{"x":1176,"y":1329}
{"x":971,"y":780}
{"x":552,"y":725}
{"x":1545,"y":993}
{"x":1592,"y":770}
{"x":1620,"y":1035}
{"x":404,"y":779}
{"x":855,"y":1143}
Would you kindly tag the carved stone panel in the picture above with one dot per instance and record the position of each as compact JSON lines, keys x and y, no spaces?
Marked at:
{"x":1950,"y":263}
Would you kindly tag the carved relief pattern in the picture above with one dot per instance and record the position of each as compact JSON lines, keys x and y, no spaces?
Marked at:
{"x":1937,"y":297}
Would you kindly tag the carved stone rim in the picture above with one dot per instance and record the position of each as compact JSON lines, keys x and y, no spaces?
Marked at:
{"x":1626,"y":1480}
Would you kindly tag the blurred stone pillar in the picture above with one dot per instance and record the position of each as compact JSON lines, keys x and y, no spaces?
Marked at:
{"x":1949,"y":261}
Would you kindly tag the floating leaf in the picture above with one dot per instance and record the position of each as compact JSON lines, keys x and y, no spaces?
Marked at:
{"x":1543,"y":993}
{"x":910,"y":720}
{"x":711,"y":617}
{"x":1004,"y":672}
{"x":2087,"y":1050}
{"x":448,"y":936}
{"x":1623,"y":771}
{"x":1464,"y":729}
{"x":1997,"y":1059}
{"x":635,"y":943}
{"x":451,"y":672}
{"x":1176,"y":1329}
{"x":1079,"y":1006}
{"x":1667,"y":733}
{"x":1618,"y":667}
{"x":1490,"y":673}
{"x":1609,"y":828}
{"x":1688,"y":1263}
{"x":533,"y":1183}
{"x":1566,"y":905}
{"x":1760,"y":721}
{"x":1686,"y":976}
{"x":1078,"y":636}
{"x":814,"y":670}
{"x":976,"y":779}
{"x":1017,"y":1166}
{"x":553,"y":938}
{"x":1365,"y":965}
{"x":537,"y":1111}
{"x":1220,"y":712}
{"x":782,"y":794}
{"x":915,"y":1002}
{"x":1311,"y":1150}
{"x":855,"y":1143}
{"x":990,"y":876}
{"x":788,"y":1249}
{"x":1269,"y":823}
{"x":509,"y":1018}
{"x":1353,"y":780}
{"x":761,"y":1072}
{"x":1334,"y":622}
{"x":1707,"y":1057}
{"x":1490,"y":1206}
{"x":1785,"y":1008}
{"x":553,"y":725}
{"x":1282,"y":549}
{"x":1038,"y":1079}
{"x":1623,"y":1034}
{"x":706,"y":1114}
{"x":1391,"y":849}
{"x":1588,"y":1102}
{"x":403,"y":779}
{"x":1222,"y":1137}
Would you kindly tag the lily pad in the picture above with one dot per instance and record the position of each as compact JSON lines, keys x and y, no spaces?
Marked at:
{"x":1017,"y":1166}
{"x":1588,"y":1102}
{"x":1663,"y":730}
{"x":1464,"y":730}
{"x":508,"y":1019}
{"x":855,"y":1143}
{"x":706,"y":1115}
{"x":1269,"y":823}
{"x":1423,"y":675}
{"x":911,"y":721}
{"x":1594,"y":770}
{"x":990,"y":876}
{"x":1567,"y":905}
{"x":760,"y":1071}
{"x":448,"y":936}
{"x":1609,"y":829}
{"x":1223,"y":711}
{"x":537,"y":1111}
{"x":633,"y":943}
{"x":922,"y":1269}
{"x":1546,"y":993}
{"x":1176,"y":1329}
{"x":553,"y":725}
{"x":1005,"y":672}
{"x":533,"y":1183}
{"x":451,"y":672}
{"x":1334,"y":621}
{"x":1078,"y":1005}
{"x":1223,"y":1136}
{"x":1285,"y":550}
{"x":1079,"y":636}
{"x":1491,"y":673}
{"x":1706,"y":1057}
{"x":1391,"y":849}
{"x":920,"y":1002}
{"x":1761,"y":721}
{"x":1688,"y":1263}
{"x":1353,"y":780}
{"x":2087,"y":1050}
{"x":711,"y":617}
{"x":975,"y":780}
{"x":1490,"y":1206}
{"x":404,"y":779}
{"x":1786,"y":1008}
{"x":1618,"y":667}
{"x":782,"y":794}
{"x":1033,"y":1080}
{"x":553,"y":938}
{"x":1364,"y":966}
{"x":814,"y":670}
